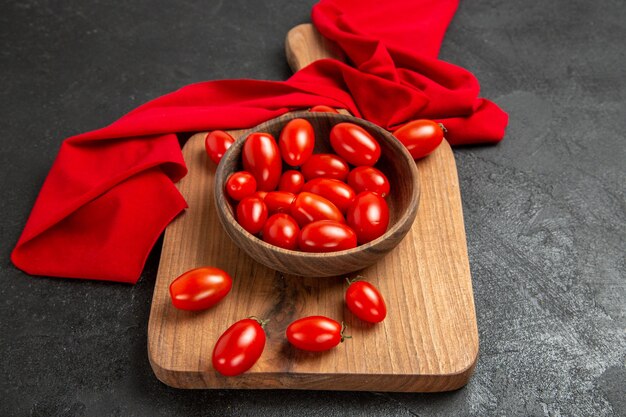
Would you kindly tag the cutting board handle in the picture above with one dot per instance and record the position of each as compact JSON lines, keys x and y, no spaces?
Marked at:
{"x":304,"y":45}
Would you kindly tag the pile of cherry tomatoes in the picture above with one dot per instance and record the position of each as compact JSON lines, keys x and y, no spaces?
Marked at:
{"x":319,"y":204}
{"x":242,"y":344}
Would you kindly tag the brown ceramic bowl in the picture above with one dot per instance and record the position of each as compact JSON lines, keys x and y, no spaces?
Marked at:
{"x":403,"y":201}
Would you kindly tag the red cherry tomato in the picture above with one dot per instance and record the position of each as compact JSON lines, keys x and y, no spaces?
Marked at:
{"x":216,"y":144}
{"x":337,"y":192}
{"x":260,"y":194}
{"x":296,"y":142}
{"x":368,"y":216}
{"x":368,"y":179}
{"x":261,"y":158}
{"x":239,"y":347}
{"x":420,"y":137}
{"x":322,"y":109}
{"x":281,"y":230}
{"x":252,"y":214}
{"x":325,"y":165}
{"x":354,"y":144}
{"x":200,"y":288}
{"x":240,"y":185}
{"x":309,"y":207}
{"x":279,"y":201}
{"x":364,"y":301}
{"x":291,"y":181}
{"x":315,"y":333}
{"x":326,"y":236}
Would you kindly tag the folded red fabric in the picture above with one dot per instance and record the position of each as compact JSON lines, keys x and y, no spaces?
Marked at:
{"x":110,"y":192}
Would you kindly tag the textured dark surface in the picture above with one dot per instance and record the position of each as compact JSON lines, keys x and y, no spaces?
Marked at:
{"x":545,"y":210}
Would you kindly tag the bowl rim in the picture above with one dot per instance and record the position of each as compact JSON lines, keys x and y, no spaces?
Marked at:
{"x":221,"y":201}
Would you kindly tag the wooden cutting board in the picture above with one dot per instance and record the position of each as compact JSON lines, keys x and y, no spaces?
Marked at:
{"x":428,"y":342}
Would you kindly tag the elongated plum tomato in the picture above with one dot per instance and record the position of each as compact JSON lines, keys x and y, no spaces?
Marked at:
{"x":240,"y":185}
{"x":368,"y":216}
{"x":260,"y":194}
{"x":354,"y":144}
{"x":322,"y":109}
{"x":337,"y":192}
{"x":279,"y":201}
{"x":326,"y":236}
{"x":368,"y":179}
{"x":420,"y":137}
{"x":281,"y":230}
{"x":200,"y":288}
{"x":216,"y":144}
{"x":291,"y":181}
{"x":325,"y":165}
{"x":261,"y":158}
{"x":309,"y":207}
{"x":364,"y":301}
{"x":296,"y":142}
{"x":239,"y":347}
{"x":315,"y":333}
{"x":252,"y":214}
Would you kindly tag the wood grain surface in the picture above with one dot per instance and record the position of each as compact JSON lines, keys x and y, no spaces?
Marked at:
{"x":428,"y":342}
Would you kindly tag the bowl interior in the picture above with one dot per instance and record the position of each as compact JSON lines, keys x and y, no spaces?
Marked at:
{"x":395,"y":162}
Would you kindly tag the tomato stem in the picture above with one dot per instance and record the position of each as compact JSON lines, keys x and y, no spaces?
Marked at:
{"x":443,"y":127}
{"x":261,"y":322}
{"x":355,"y":279}
{"x":343,"y":329}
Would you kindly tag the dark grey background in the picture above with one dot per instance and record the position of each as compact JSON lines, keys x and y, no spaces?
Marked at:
{"x":545,"y":210}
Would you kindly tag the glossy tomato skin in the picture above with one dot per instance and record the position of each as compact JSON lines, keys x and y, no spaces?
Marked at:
{"x":368,"y":216}
{"x":325,"y":165}
{"x":260,"y":194}
{"x":200,"y":288}
{"x":309,"y":207}
{"x":420,"y":137}
{"x":364,"y":301}
{"x":279,"y":201}
{"x":354,"y":144}
{"x":291,"y":181}
{"x":239,"y":347}
{"x":314,"y":333}
{"x":368,"y":179}
{"x":216,"y":144}
{"x":252,"y":214}
{"x":296,"y":142}
{"x":240,"y":185}
{"x":322,"y":109}
{"x":337,"y":192}
{"x":326,"y":236}
{"x":281,"y":230}
{"x":261,"y":158}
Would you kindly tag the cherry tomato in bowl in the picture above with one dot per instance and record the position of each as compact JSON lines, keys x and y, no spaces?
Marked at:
{"x":315,"y":333}
{"x":354,"y":144}
{"x":337,"y":192}
{"x":368,"y":179}
{"x":239,"y":347}
{"x":320,"y":108}
{"x":291,"y":181}
{"x":200,"y":288}
{"x":240,"y":185}
{"x":326,"y":236}
{"x":261,"y":158}
{"x":325,"y":165}
{"x":281,"y":230}
{"x":279,"y":201}
{"x":216,"y":144}
{"x":368,"y":216}
{"x":365,"y":301}
{"x":296,"y":142}
{"x":252,"y":214}
{"x":309,"y":207}
{"x":420,"y":137}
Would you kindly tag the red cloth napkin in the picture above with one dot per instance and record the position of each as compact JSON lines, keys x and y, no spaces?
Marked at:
{"x":110,"y":192}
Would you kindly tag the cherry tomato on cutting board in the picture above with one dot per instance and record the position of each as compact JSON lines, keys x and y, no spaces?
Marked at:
{"x":368,"y":179}
{"x":281,"y":230}
{"x":261,"y":158}
{"x":240,"y":185}
{"x":320,"y":108}
{"x":326,"y":236}
{"x":252,"y":214}
{"x":337,"y":192}
{"x":315,"y":333}
{"x":216,"y":144}
{"x":279,"y":201}
{"x":420,"y":137}
{"x":354,"y":144}
{"x":296,"y":142}
{"x":364,"y":301}
{"x":309,"y":207}
{"x":291,"y":181}
{"x":200,"y":288}
{"x":368,"y":216}
{"x":325,"y":165}
{"x":239,"y":347}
